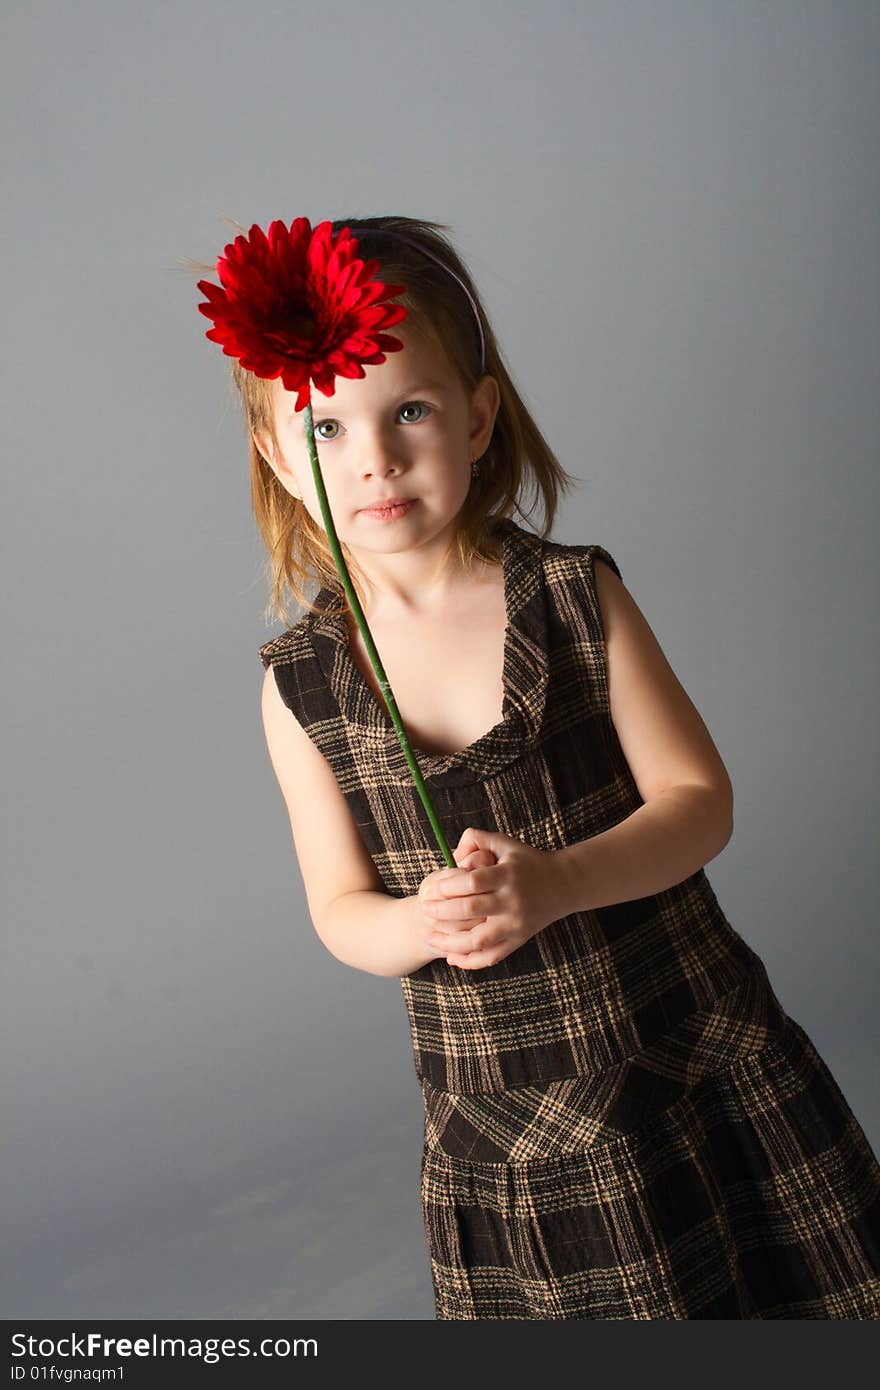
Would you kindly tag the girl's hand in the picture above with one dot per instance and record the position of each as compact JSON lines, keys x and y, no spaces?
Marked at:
{"x":430,"y":889}
{"x":483,"y":911}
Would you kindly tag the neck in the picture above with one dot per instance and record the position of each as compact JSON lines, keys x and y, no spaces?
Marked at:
{"x":422,"y":580}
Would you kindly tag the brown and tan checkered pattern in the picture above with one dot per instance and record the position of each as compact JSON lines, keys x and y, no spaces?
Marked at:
{"x":621,"y":1121}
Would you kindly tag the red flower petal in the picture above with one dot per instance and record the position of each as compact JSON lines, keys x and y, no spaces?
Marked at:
{"x":300,"y":304}
{"x":389,"y":344}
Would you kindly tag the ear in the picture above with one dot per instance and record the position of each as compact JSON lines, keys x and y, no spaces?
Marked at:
{"x":276,"y":462}
{"x":485,"y":403}
{"x":264,"y":444}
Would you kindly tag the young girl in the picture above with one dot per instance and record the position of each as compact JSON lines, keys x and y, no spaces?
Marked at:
{"x":621,"y":1120}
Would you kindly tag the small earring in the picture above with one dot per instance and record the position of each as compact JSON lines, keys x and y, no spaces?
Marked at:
{"x":475,"y":468}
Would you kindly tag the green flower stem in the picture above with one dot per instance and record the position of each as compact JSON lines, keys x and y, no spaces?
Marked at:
{"x":375,"y":662}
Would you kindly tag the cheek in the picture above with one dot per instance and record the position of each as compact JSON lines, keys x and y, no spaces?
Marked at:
{"x":459,"y":481}
{"x":335,"y":496}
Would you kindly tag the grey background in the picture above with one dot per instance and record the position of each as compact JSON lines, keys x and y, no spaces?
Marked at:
{"x":672,"y":212}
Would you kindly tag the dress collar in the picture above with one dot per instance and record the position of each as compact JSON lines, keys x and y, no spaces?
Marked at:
{"x":524,"y":676}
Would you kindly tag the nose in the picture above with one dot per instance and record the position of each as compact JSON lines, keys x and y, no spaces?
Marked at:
{"x":379,"y":457}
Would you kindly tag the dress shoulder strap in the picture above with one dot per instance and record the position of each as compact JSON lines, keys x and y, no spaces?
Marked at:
{"x":570,"y":575}
{"x":284,"y":647}
{"x":298,"y":674}
{"x":598,"y":552}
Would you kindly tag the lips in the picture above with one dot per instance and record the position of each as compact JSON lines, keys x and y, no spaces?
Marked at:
{"x":383,"y":503}
{"x":387,"y":512}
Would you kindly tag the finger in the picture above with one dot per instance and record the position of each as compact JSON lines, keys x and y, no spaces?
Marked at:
{"x":450,"y":889}
{"x":474,"y":960}
{"x":456,"y":910}
{"x":480,"y":859}
{"x":455,"y":940}
{"x":466,"y":845}
{"x":463,"y":885}
{"x":441,"y":883}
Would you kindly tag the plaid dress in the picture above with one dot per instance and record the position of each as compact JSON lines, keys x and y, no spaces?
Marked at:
{"x":621,"y":1120}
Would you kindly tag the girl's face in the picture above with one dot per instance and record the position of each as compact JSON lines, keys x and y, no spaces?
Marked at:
{"x":407,"y":429}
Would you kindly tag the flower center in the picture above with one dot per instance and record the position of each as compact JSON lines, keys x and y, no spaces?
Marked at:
{"x":300,"y":326}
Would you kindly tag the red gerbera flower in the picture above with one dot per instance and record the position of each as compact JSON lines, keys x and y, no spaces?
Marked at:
{"x":301,"y":305}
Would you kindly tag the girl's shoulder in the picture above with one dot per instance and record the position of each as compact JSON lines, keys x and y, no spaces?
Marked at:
{"x":560,"y":559}
{"x":290,"y":644}
{"x":568,"y":560}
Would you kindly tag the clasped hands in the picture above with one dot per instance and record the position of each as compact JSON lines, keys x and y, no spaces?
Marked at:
{"x":500,"y":896}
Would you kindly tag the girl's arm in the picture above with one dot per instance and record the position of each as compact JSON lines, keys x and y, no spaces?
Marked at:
{"x":687,"y":818}
{"x":374,"y":932}
{"x":661,"y":844}
{"x":356,"y":919}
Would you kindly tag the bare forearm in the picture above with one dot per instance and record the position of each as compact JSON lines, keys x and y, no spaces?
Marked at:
{"x":372,"y":931}
{"x":665,"y":841}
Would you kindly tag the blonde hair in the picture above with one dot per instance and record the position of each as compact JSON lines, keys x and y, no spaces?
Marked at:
{"x":297,"y":548}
